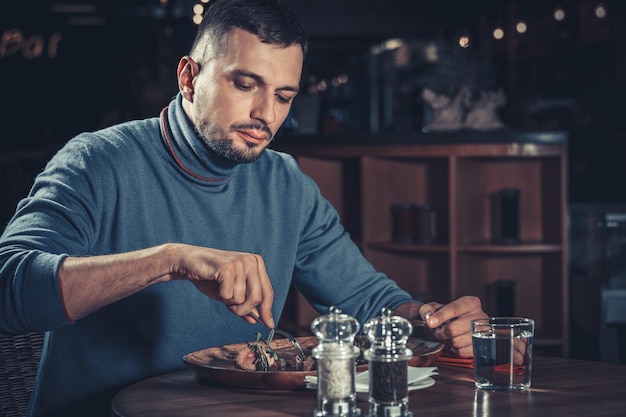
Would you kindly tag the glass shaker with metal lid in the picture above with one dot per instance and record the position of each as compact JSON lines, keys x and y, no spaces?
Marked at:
{"x":388,"y":358}
{"x":336,"y":364}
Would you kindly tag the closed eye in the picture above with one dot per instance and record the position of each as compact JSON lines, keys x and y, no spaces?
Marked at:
{"x":245,"y":81}
{"x":242,"y":86}
{"x":283,"y":99}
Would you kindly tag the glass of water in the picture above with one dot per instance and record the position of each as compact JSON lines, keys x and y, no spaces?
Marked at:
{"x":503,"y":349}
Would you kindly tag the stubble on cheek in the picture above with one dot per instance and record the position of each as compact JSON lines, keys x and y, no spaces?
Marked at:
{"x":228,"y":149}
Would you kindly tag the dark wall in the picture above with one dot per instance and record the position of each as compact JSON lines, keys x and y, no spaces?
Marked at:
{"x":63,"y":72}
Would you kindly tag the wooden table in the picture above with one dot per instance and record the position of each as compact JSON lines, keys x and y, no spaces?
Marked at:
{"x":560,"y":387}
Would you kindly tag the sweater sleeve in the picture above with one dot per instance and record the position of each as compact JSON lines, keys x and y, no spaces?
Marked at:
{"x":330,"y":269}
{"x":55,"y":220}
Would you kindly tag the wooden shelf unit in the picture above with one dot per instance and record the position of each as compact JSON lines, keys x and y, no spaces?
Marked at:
{"x":363,"y":178}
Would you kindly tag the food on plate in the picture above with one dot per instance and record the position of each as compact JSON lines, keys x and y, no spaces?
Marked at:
{"x":259,"y":356}
{"x":307,"y":365}
{"x":279,"y":355}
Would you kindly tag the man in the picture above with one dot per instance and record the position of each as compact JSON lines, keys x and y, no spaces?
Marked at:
{"x":136,"y":240}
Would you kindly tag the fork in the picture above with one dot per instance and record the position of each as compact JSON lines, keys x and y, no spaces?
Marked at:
{"x":288,"y":335}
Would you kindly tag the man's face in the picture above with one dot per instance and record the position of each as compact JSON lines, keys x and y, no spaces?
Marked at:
{"x":242,"y":96}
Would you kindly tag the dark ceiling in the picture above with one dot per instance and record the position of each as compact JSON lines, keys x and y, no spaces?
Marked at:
{"x":320,"y":17}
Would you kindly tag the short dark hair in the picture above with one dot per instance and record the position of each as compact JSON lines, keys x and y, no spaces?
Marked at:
{"x":270,"y":20}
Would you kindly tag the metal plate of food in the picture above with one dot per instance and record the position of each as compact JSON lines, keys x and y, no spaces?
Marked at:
{"x":219,"y":364}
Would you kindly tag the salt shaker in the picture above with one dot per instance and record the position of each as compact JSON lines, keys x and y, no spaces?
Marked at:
{"x":336,"y":364}
{"x":388,"y":358}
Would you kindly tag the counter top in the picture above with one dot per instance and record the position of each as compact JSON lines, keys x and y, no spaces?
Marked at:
{"x":454,"y":137}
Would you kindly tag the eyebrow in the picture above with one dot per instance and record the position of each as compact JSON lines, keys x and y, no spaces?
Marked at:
{"x":261,"y":80}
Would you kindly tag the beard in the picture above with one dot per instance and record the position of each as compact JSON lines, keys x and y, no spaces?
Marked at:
{"x":222,"y":145}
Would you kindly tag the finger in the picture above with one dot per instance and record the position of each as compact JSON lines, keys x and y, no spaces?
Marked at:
{"x":267,"y":294}
{"x":241,"y":282}
{"x":426,"y":312}
{"x":239,"y":289}
{"x":259,"y":292}
{"x":251,"y":319}
{"x":464,"y":352}
{"x":248,"y":287}
{"x":460,"y":346}
{"x":444,"y":314}
{"x":520,"y":351}
{"x":226,"y":278}
{"x":456,"y":328}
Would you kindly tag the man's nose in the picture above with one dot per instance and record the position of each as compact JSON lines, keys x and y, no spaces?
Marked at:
{"x":263,"y":109}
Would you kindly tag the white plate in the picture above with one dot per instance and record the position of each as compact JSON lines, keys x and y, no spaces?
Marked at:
{"x":418,"y":377}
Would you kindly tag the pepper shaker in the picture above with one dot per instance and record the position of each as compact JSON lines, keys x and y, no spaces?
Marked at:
{"x":336,"y":364}
{"x":388,"y":358}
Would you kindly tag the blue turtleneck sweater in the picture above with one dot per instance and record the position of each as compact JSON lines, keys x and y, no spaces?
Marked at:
{"x":132,"y":186}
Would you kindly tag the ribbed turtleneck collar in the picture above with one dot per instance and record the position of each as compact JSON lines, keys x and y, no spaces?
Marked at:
{"x":191,"y":154}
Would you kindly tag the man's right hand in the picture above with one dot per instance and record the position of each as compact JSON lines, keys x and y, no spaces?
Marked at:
{"x":237,"y":279}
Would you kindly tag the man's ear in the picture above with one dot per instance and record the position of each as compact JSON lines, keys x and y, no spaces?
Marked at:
{"x":187,"y":71}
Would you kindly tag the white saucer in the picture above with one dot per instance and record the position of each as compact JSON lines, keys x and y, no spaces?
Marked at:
{"x":419,"y":378}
